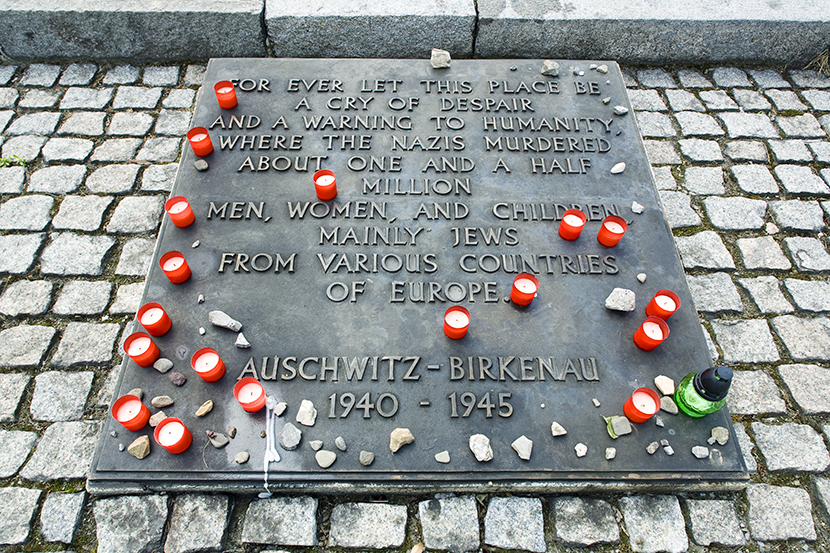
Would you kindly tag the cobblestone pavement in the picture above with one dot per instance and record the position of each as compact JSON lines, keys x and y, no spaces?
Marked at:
{"x":742,"y":160}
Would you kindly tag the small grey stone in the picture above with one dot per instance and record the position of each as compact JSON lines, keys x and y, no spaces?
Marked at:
{"x":78,"y":74}
{"x":60,"y":179}
{"x":61,"y":515}
{"x":71,"y":254}
{"x":280,"y":408}
{"x":232,"y":432}
{"x":789,"y":447}
{"x":200,"y":165}
{"x":26,"y":297}
{"x":668,"y":450}
{"x":83,"y":298}
{"x":198,"y":523}
{"x":290,"y":437}
{"x":140,"y":447}
{"x":135,"y":258}
{"x":204,"y":408}
{"x":221,"y":319}
{"x":700,"y":452}
{"x":130,"y":523}
{"x":241,"y":342}
{"x":808,"y":254}
{"x":762,"y":253}
{"x":17,"y":507}
{"x":704,"y":250}
{"x":60,"y":395}
{"x":720,"y":434}
{"x":340,"y":443}
{"x":754,"y":393}
{"x":443,"y":457}
{"x":316,"y":445}
{"x":161,"y":401}
{"x":156,"y":418}
{"x":654,"y":523}
{"x":620,"y":110}
{"x":116,"y":149}
{"x":658,"y":421}
{"x":83,"y":213}
{"x":668,"y":405}
{"x":652,"y":448}
{"x":177,"y":378}
{"x":664,"y":384}
{"x":523,"y":447}
{"x":515,"y":523}
{"x":367,"y":458}
{"x":307,"y":414}
{"x":135,"y":214}
{"x":325,"y":458}
{"x":163,"y":365}
{"x":122,"y":74}
{"x":86,"y":344}
{"x":779,"y":513}
{"x":450,"y":523}
{"x":714,"y":293}
{"x":50,"y":462}
{"x":550,"y":68}
{"x":440,"y":59}
{"x":217,"y":439}
{"x":620,"y":299}
{"x":581,"y":450}
{"x":596,"y":402}
{"x":556,"y":429}
{"x":241,"y":458}
{"x":480,"y":446}
{"x":620,"y":426}
{"x":159,"y":178}
{"x":610,"y":453}
{"x":202,"y":331}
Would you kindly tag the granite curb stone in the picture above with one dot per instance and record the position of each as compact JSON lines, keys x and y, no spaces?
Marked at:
{"x":779,"y":513}
{"x":515,"y":523}
{"x":130,"y":523}
{"x":368,"y":525}
{"x":450,"y":523}
{"x":654,"y":523}
{"x":281,"y":521}
{"x":198,"y":522}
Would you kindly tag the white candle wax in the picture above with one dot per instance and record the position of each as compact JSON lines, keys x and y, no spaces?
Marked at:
{"x":171,"y":433}
{"x":206,"y":362}
{"x":325,"y":180}
{"x":224,"y":90}
{"x":653,"y":330}
{"x":616,"y":228}
{"x":152,"y":316}
{"x":128,"y":410}
{"x":525,"y":285}
{"x":457,"y":319}
{"x":666,"y":303}
{"x":573,"y":220}
{"x":173,"y":263}
{"x":139,"y":346}
{"x":198,"y":137}
{"x":178,"y":207}
{"x":250,"y":392}
{"x":644,"y":402}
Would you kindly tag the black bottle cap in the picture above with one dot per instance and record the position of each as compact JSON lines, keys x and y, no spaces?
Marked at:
{"x":713,"y":383}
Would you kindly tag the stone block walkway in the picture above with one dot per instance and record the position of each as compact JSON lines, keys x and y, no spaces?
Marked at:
{"x":741,"y":157}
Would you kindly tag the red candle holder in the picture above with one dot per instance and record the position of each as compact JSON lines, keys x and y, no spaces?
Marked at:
{"x":651,"y":333}
{"x":173,"y":435}
{"x":154,"y":319}
{"x":200,"y":141}
{"x":325,"y":184}
{"x":179,"y":211}
{"x":141,"y":349}
{"x":225,"y":94}
{"x":175,"y":267}
{"x":573,"y":221}
{"x":250,"y":394}
{"x":663,"y":304}
{"x":524,"y":289}
{"x":208,"y":365}
{"x":456,"y":322}
{"x":611,"y":231}
{"x":642,"y":405}
{"x":130,"y":412}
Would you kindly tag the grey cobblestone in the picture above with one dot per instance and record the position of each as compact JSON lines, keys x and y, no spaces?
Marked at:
{"x":646,"y":100}
{"x":515,"y":523}
{"x":122,"y":74}
{"x":61,"y":515}
{"x":655,"y":78}
{"x":695,"y":149}
{"x":655,"y":125}
{"x":714,"y":522}
{"x":17,"y":507}
{"x":691,"y":78}
{"x":818,"y":99}
{"x":112,"y":179}
{"x":86,"y":98}
{"x":161,"y":76}
{"x":766,"y":294}
{"x":581,"y":522}
{"x":5,"y":117}
{"x":762,"y":253}
{"x":801,"y":126}
{"x":160,"y":150}
{"x":136,"y":97}
{"x":751,"y":100}
{"x":60,"y":395}
{"x":717,"y":100}
{"x":805,"y":339}
{"x":697,"y":124}
{"x":682,"y":100}
{"x":754,"y":393}
{"x":801,"y":180}
{"x":24,"y":345}
{"x":747,"y":447}
{"x":704,"y":180}
{"x":135,"y":257}
{"x":6,"y":73}
{"x":72,"y":254}
{"x":127,"y":299}
{"x":790,"y":151}
{"x":368,"y":525}
{"x":745,"y":341}
{"x":450,"y":523}
{"x":809,"y":385}
{"x":60,"y":179}
{"x":17,"y":252}
{"x":130,"y":124}
{"x":179,"y":98}
{"x":40,"y":74}
{"x":748,"y":125}
{"x":735,"y":213}
{"x":12,"y":179}
{"x":785,"y":100}
{"x":281,"y":521}
{"x":728,"y":77}
{"x":83,"y":213}
{"x":791,"y":447}
{"x":51,"y":461}
{"x":41,"y":123}
{"x":25,"y":147}
{"x":704,"y":250}
{"x":661,"y":152}
{"x":130,"y":523}
{"x":714,"y":293}
{"x":16,"y":446}
{"x":84,"y":123}
{"x":808,"y":254}
{"x":12,"y":386}
{"x":39,"y":99}
{"x":779,"y":513}
{"x":159,"y":178}
{"x":78,"y":74}
{"x":821,"y":151}
{"x":135,"y":214}
{"x":198,"y":522}
{"x":173,"y":122}
{"x":754,"y":179}
{"x":663,"y":178}
{"x":194,"y":75}
{"x":768,"y":78}
{"x":26,"y":212}
{"x":809,"y":295}
{"x":78,"y":297}
{"x":654,"y":523}
{"x":26,"y":297}
{"x":678,"y":209}
{"x":116,"y":149}
{"x":86,"y":344}
{"x":67,"y":149}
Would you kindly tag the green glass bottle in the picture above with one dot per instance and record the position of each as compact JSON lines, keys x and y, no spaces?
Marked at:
{"x":703,"y":392}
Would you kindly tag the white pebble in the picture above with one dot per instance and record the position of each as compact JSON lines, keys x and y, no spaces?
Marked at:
{"x":581,"y":450}
{"x":641,"y":277}
{"x":637,"y":208}
{"x":620,"y":110}
{"x":618,"y":168}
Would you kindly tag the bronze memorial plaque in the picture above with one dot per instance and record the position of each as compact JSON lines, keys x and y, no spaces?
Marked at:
{"x":450,"y":183}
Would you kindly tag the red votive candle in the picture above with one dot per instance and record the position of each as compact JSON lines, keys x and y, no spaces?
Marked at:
{"x":573,"y":221}
{"x":524,"y":289}
{"x":611,"y":231}
{"x":653,"y":331}
{"x":250,"y":394}
{"x":175,"y":267}
{"x":154,"y":319}
{"x":663,"y":304}
{"x":456,"y":322}
{"x":130,"y":412}
{"x":226,"y":94}
{"x":141,"y":349}
{"x":325,"y":184}
{"x":173,"y":435}
{"x":179,"y":211}
{"x":642,"y":405}
{"x":208,"y":365}
{"x":200,"y":141}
